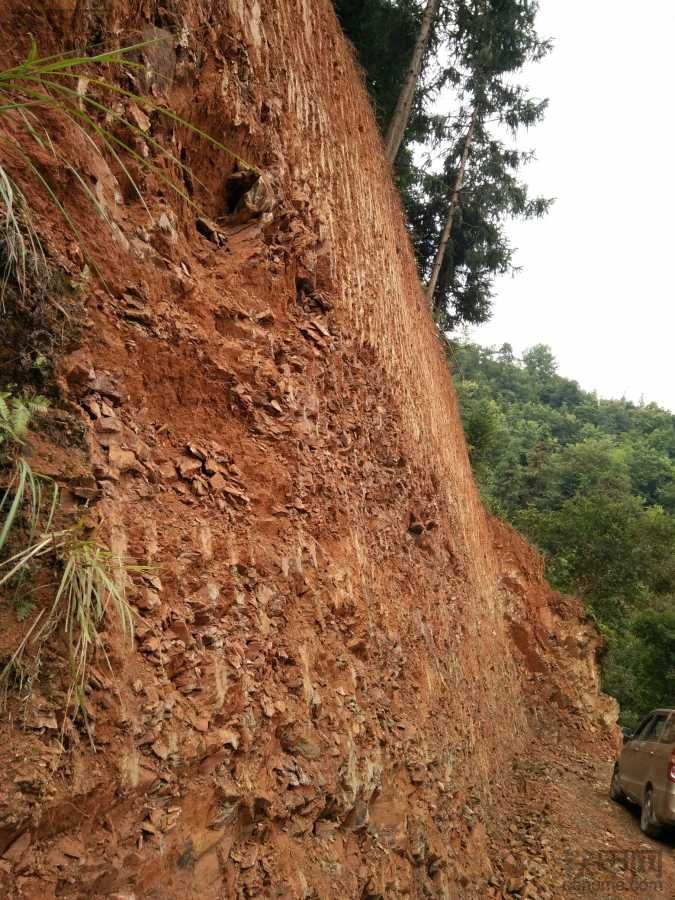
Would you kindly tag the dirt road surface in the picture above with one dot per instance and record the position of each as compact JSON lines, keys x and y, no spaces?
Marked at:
{"x":569,"y":840}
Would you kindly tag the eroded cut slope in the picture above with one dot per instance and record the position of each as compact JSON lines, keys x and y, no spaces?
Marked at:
{"x":328,"y":680}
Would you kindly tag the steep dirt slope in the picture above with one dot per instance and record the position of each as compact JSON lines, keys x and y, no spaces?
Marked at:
{"x":337,"y":655}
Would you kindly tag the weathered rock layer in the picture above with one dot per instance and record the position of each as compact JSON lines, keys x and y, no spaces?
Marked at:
{"x":337,"y":654}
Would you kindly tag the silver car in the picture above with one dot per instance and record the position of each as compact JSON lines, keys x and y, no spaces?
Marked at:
{"x":645,"y":771}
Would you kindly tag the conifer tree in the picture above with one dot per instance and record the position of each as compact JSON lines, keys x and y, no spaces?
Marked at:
{"x":454,"y":201}
{"x":383,"y":33}
{"x":492,"y":39}
{"x":401,"y":116}
{"x":457,"y":216}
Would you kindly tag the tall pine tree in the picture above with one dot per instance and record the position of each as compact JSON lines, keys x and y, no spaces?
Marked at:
{"x":401,"y":115}
{"x":491,"y":40}
{"x":474,"y":48}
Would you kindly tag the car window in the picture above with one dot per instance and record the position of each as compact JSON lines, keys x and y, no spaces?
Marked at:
{"x":642,"y":729}
{"x":668,"y":734}
{"x":655,"y":729}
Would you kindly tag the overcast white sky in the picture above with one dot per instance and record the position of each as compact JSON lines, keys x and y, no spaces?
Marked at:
{"x":597,"y":279}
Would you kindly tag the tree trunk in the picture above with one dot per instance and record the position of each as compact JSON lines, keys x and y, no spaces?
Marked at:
{"x":401,"y":115}
{"x":454,"y":200}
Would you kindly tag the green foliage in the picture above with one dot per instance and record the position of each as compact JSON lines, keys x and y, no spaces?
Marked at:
{"x":92,"y":580}
{"x":22,"y":503}
{"x":490,"y":42}
{"x":16,"y":413}
{"x":383,"y":33}
{"x":591,"y":482}
{"x":91,"y":587}
{"x":640,"y":663}
{"x":475,"y":49}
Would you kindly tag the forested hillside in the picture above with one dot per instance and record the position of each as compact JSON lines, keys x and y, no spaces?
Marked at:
{"x":591,"y":482}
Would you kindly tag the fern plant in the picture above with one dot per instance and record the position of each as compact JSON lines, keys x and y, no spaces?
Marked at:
{"x":16,"y":413}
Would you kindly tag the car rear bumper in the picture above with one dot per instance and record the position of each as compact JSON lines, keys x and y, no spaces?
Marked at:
{"x":665,"y":810}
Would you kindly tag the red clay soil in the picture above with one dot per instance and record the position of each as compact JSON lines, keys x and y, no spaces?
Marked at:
{"x":339,"y":659}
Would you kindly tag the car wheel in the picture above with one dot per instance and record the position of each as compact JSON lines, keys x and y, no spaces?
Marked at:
{"x":615,"y":791}
{"x":648,"y":821}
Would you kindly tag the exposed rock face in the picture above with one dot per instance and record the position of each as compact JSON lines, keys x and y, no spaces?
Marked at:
{"x":556,"y":642}
{"x":335,"y":656}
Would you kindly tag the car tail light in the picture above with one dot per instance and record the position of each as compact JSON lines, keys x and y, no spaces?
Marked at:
{"x":671,"y":767}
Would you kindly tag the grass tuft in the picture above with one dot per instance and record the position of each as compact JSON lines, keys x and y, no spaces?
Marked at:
{"x":30,"y":94}
{"x":23,"y":498}
{"x":89,"y":592}
{"x":25,"y":491}
{"x":20,"y":247}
